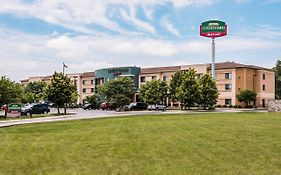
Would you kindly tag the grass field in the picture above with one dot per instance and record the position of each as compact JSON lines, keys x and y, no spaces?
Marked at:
{"x":228,"y":143}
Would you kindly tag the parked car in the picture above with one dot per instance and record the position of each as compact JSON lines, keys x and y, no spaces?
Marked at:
{"x":35,"y":109}
{"x":156,"y":107}
{"x":90,"y":106}
{"x":127,"y":108}
{"x":137,"y":106}
{"x":108,"y":106}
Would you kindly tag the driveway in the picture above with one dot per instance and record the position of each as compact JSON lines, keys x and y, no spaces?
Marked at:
{"x":79,"y":114}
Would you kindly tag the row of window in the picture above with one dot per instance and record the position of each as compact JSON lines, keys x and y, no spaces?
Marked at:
{"x":84,"y":82}
{"x":229,"y":102}
{"x":229,"y":76}
{"x":229,"y":87}
{"x":142,"y":79}
{"x":85,"y":90}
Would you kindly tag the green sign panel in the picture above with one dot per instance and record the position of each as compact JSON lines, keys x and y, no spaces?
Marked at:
{"x":14,"y":107}
{"x":213,"y":29}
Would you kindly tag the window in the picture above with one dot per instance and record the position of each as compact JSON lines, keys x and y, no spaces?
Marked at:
{"x":92,"y":81}
{"x":164,"y":78}
{"x":84,"y":90}
{"x":142,"y":79}
{"x":263,"y":87}
{"x":228,"y":76}
{"x":263,"y":76}
{"x":92,"y":90}
{"x":75,"y":82}
{"x":228,"y":86}
{"x":228,"y":102}
{"x":153,"y":77}
{"x":84,"y":82}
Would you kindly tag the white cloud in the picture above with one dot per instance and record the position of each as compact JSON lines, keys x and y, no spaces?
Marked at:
{"x":76,"y":15}
{"x":32,"y":55}
{"x":169,"y":26}
{"x":138,"y":23}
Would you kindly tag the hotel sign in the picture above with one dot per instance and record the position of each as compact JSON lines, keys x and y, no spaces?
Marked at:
{"x":14,"y":110}
{"x":213,"y":29}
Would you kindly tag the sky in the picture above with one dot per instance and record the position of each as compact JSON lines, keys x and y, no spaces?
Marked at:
{"x":37,"y":36}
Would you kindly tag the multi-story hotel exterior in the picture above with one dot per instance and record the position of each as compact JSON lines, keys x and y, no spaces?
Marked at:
{"x":231,"y":77}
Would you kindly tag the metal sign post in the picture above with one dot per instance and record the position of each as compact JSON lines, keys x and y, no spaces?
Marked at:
{"x":213,"y":29}
{"x":213,"y":59}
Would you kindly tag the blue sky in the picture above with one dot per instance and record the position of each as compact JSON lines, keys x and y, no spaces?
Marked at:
{"x":36,"y":36}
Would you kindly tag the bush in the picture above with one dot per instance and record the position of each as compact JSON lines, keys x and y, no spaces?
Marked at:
{"x":218,"y":106}
{"x":235,"y":106}
{"x":230,"y":106}
{"x":224,"y":106}
{"x":239,"y":106}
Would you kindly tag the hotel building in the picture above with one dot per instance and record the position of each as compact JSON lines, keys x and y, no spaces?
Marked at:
{"x":231,"y":77}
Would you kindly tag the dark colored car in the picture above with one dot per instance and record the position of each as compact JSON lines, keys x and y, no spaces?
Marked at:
{"x":90,"y":106}
{"x":137,"y":106}
{"x":35,"y":109}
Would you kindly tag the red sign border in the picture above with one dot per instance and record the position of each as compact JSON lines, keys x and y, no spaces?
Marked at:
{"x":213,"y":34}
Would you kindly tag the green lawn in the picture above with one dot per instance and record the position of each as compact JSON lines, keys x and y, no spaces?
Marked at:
{"x":229,"y":143}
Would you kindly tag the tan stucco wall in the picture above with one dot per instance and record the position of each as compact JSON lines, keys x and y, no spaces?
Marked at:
{"x":221,"y":82}
{"x":88,"y":86}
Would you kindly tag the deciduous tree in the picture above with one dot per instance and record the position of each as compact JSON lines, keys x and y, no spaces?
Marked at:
{"x":154,"y":92}
{"x":61,"y":90}
{"x":208,"y":91}
{"x":188,"y":91}
{"x":91,"y":99}
{"x":10,"y":91}
{"x":174,"y":84}
{"x":118,"y":91}
{"x":277,"y":69}
{"x":35,"y":91}
{"x":247,"y":96}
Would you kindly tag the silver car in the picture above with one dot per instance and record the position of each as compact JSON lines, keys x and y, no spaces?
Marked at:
{"x":156,"y":107}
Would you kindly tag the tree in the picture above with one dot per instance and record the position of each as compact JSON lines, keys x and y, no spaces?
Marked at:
{"x":174,"y":84}
{"x":91,"y":99}
{"x":247,"y":96}
{"x":60,"y":91}
{"x":154,"y":92}
{"x":188,"y":91}
{"x":118,"y":91}
{"x":35,"y":91}
{"x":277,"y":69}
{"x":10,"y":91}
{"x":208,"y":91}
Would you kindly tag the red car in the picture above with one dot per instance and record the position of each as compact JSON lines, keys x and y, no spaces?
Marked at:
{"x":108,"y":106}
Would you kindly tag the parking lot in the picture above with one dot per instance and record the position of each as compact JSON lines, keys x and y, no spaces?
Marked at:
{"x":76,"y":114}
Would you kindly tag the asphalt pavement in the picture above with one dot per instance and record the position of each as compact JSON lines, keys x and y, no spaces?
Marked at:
{"x":78,"y":114}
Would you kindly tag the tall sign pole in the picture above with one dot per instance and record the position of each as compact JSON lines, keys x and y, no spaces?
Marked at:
{"x":213,"y":58}
{"x":213,"y":29}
